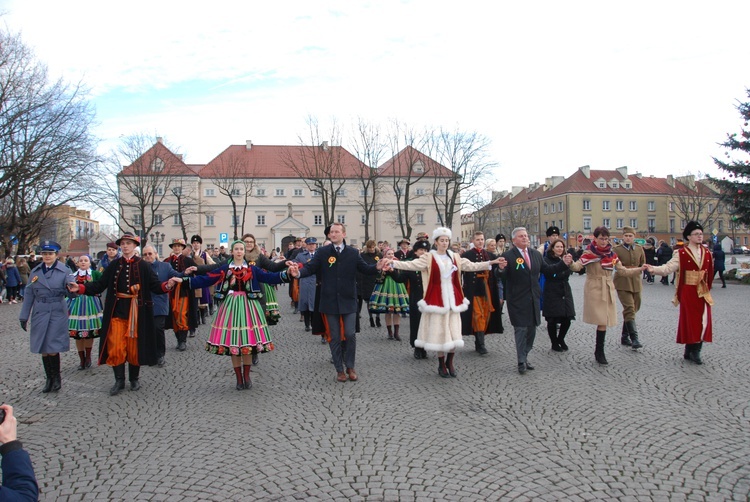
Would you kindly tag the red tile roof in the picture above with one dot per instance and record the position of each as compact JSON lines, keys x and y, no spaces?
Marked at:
{"x":400,"y":163}
{"x":173,"y":164}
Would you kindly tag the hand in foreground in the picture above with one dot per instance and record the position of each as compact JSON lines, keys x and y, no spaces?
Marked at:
{"x":73,"y":287}
{"x":384,"y":264}
{"x":650,"y":268}
{"x":191,"y":270}
{"x":500,"y":262}
{"x":568,"y":259}
{"x":293,"y":270}
{"x":290,"y":263}
{"x":8,"y":427}
{"x":173,"y":281}
{"x":23,"y":325}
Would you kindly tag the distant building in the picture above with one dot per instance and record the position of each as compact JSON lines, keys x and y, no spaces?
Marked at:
{"x":70,"y":226}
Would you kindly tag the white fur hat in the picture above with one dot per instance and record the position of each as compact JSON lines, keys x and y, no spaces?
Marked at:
{"x":440,"y":232}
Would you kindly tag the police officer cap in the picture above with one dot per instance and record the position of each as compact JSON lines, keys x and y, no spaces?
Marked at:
{"x":311,"y":240}
{"x":553,"y":230}
{"x":50,"y":246}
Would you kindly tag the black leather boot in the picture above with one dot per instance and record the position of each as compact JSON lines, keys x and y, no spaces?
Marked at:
{"x":54,"y":362}
{"x":479,"y":342}
{"x":695,"y":353}
{"x":48,"y":373}
{"x":552,"y":332}
{"x":449,"y":365}
{"x":133,"y":374}
{"x":634,"y":342}
{"x":119,"y":379}
{"x":442,"y":370}
{"x":599,"y":352}
{"x":625,"y":337}
{"x":181,"y":340}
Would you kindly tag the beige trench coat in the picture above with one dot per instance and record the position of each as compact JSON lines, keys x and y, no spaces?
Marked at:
{"x":599,"y":296}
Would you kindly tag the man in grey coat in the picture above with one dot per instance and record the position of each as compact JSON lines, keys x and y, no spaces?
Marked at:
{"x":45,"y":303}
{"x":306,"y":303}
{"x":522,"y":291}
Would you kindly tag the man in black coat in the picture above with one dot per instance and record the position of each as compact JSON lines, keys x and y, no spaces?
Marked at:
{"x":663,"y":255}
{"x":522,"y":291}
{"x":336,"y":266}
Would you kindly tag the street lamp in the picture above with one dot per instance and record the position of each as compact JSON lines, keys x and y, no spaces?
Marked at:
{"x":157,"y":238}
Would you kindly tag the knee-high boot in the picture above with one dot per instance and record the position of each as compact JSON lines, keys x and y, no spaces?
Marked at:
{"x":119,"y":385}
{"x":634,"y":342}
{"x":133,"y":374}
{"x":390,"y":331}
{"x":625,"y":337}
{"x":564,"y":327}
{"x":238,"y":374}
{"x":55,"y":371}
{"x":47,"y":373}
{"x":395,"y":332}
{"x":599,"y":352}
{"x":552,"y":332}
{"x":479,"y":343}
{"x":247,"y":383}
{"x":442,"y":370}
{"x":695,"y":353}
{"x":82,"y":357}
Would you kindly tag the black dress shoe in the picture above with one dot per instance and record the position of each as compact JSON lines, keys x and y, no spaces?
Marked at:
{"x":135,"y":385}
{"x":160,"y":361}
{"x":182,"y":346}
{"x":521,"y":368}
{"x":529,"y":366}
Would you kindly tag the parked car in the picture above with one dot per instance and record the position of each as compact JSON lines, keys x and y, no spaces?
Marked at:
{"x":740,"y":250}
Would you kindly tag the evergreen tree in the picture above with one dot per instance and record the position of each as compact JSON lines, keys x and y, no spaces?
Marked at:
{"x":735,"y":187}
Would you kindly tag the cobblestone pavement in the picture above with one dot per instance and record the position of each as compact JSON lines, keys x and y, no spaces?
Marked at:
{"x":650,"y":426}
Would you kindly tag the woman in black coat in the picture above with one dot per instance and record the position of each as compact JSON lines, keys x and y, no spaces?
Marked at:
{"x":559,"y":309}
{"x":366,"y":283}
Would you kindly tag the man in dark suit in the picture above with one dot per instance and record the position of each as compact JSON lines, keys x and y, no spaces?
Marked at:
{"x":336,"y":266}
{"x":522,"y":291}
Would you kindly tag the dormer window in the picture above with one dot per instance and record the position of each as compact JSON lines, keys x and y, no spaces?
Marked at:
{"x":418,"y":167}
{"x":602,"y":184}
{"x":615,"y":184}
{"x":157,"y":165}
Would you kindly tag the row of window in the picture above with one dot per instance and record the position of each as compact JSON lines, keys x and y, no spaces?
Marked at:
{"x":260,"y":219}
{"x":296,"y":192}
{"x":651,"y":227}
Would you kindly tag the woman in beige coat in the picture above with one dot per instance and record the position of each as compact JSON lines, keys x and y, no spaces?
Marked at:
{"x":599,"y":295}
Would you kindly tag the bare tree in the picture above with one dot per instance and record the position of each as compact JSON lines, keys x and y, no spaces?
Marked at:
{"x":233,"y":174}
{"x":483,"y":211}
{"x":45,"y":143}
{"x":407,"y":167}
{"x":320,"y":167}
{"x":466,"y":157}
{"x":187,"y":199}
{"x":694,"y":199}
{"x":145,"y":172}
{"x":369,"y":148}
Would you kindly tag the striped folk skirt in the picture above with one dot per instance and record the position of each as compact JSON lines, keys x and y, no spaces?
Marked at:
{"x":84,"y":316}
{"x":272,"y":304}
{"x":389,"y":296}
{"x":239,"y":327}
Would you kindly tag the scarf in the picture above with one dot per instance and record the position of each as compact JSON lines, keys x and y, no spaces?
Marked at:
{"x":605,"y":255}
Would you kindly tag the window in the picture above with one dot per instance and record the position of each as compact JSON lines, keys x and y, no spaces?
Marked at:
{"x":137,"y":219}
{"x":234,"y":192}
{"x":606,"y":222}
{"x":279,"y":192}
{"x":626,"y":184}
{"x":721,"y":225}
{"x":671,"y":225}
{"x":587,"y":223}
{"x":440,"y":191}
{"x":552,"y":208}
{"x":341,"y":192}
{"x":619,"y":205}
{"x":419,"y":191}
{"x":605,"y":205}
{"x":652,"y":205}
{"x":536,"y":211}
{"x":634,"y":222}
{"x":559,"y":207}
{"x":177,"y":191}
{"x":710,"y":208}
{"x":602,"y":184}
{"x":692,"y":207}
{"x":341,"y":218}
{"x":157,"y":165}
{"x":633,"y":205}
{"x":561,"y":226}
{"x":297,"y":192}
{"x":209,"y":220}
{"x":318,"y":219}
{"x":260,"y":192}
{"x":209,"y":192}
{"x":159,"y":191}
{"x":586,"y":205}
{"x":157,"y":220}
{"x":363,"y":222}
{"x":261,"y":220}
{"x":546,"y":209}
{"x":615,"y":184}
{"x":177,"y":219}
{"x":682,"y":224}
{"x":315,"y":193}
{"x":671,"y":206}
{"x":235,"y":220}
{"x":652,"y":224}
{"x":363,"y":192}
{"x":619,"y":224}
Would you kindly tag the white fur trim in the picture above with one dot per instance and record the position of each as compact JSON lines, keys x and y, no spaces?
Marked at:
{"x":437,"y":347}
{"x":440,"y":232}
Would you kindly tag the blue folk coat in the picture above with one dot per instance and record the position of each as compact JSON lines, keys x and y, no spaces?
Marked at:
{"x":45,"y":303}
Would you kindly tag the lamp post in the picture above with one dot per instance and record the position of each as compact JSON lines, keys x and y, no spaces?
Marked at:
{"x":157,"y":238}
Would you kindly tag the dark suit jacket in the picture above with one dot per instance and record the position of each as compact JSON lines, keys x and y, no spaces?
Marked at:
{"x":338,"y":283}
{"x":522,"y":289}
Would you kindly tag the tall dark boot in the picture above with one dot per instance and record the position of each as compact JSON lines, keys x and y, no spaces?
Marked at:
{"x":479,"y":343}
{"x":238,"y":373}
{"x":119,"y":385}
{"x":377,"y":320}
{"x":449,"y":365}
{"x":564,"y":327}
{"x":634,"y":342}
{"x":395,"y":332}
{"x":246,"y":376}
{"x":599,"y":352}
{"x":48,"y":373}
{"x":390,"y":331}
{"x":442,"y":370}
{"x":552,"y":332}
{"x":688,"y":349}
{"x":82,"y":357}
{"x":625,"y":337}
{"x":133,"y":374}
{"x":181,"y":340}
{"x":88,"y":357}
{"x":695,"y":353}
{"x":54,"y":362}
{"x":372,"y":321}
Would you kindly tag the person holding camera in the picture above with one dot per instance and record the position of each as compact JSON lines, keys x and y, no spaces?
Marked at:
{"x":19,"y":481}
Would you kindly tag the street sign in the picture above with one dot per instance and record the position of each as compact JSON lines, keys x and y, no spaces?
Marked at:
{"x":716,"y":239}
{"x":579,"y":238}
{"x":565,"y":236}
{"x":715,"y":232}
{"x":224,"y":238}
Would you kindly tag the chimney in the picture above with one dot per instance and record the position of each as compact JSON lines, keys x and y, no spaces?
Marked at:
{"x":586,"y":170}
{"x":158,"y":139}
{"x":249,"y":144}
{"x":670,"y":180}
{"x":324,"y":145}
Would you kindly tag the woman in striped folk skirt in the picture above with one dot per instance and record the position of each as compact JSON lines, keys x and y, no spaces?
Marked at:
{"x":85,"y":314}
{"x":390,"y":297}
{"x":240,"y":326}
